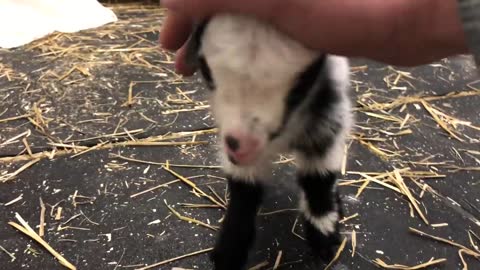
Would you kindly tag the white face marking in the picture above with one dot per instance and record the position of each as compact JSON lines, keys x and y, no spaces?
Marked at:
{"x":254,"y":67}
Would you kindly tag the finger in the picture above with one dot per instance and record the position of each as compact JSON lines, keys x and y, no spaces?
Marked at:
{"x":203,"y":8}
{"x":337,"y":24}
{"x":181,"y":66}
{"x":175,"y":31}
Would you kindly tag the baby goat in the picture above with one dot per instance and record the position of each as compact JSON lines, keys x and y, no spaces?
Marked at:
{"x":271,"y":95}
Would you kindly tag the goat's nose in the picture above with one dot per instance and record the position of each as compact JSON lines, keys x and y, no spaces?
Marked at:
{"x":232,"y":143}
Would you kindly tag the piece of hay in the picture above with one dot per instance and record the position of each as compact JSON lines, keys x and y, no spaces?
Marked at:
{"x":27,"y":146}
{"x":345,"y":219}
{"x":259,"y":266}
{"x":431,"y":262}
{"x":58,"y":215}
{"x":15,"y":138}
{"x":294,"y":232}
{"x":446,"y":241}
{"x":26,"y":229}
{"x":188,"y":219}
{"x":277,"y":261}
{"x":406,"y":191}
{"x":157,"y":187}
{"x":193,"y":185}
{"x":354,"y":242}
{"x":475,"y":246}
{"x":438,"y":225}
{"x":175,"y":259}
{"x":460,"y":254}
{"x":41,"y":228}
{"x":277,"y":211}
{"x":15,"y":118}
{"x":10,"y":176}
{"x":439,"y":121}
{"x":163,"y":163}
{"x":14,"y":200}
{"x":360,"y":190}
{"x":11,"y":255}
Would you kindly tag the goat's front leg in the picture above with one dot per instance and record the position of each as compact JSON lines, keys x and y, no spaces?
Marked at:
{"x":238,"y":229}
{"x":320,"y":202}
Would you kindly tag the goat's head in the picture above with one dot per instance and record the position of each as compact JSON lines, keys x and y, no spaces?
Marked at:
{"x":257,"y":78}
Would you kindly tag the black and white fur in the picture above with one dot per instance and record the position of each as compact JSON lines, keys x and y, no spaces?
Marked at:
{"x":297,"y":101}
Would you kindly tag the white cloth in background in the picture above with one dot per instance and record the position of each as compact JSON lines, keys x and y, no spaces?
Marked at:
{"x":23,"y":21}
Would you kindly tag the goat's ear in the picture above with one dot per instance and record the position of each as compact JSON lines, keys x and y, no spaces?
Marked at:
{"x":194,"y":45}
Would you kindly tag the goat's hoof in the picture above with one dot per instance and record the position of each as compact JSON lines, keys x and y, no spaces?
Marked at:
{"x":323,"y":246}
{"x":225,"y":260}
{"x":327,"y":252}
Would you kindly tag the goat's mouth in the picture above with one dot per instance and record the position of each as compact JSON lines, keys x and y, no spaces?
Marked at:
{"x":242,"y":159}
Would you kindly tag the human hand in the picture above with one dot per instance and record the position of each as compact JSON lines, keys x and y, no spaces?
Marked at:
{"x":397,"y":32}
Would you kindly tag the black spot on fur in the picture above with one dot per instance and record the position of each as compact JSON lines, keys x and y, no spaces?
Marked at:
{"x":321,"y":127}
{"x":306,"y":82}
{"x":238,"y":228}
{"x":194,"y":44}
{"x":313,"y":79}
{"x":206,"y":72}
{"x":323,"y":100}
{"x":318,"y":189}
{"x":321,"y":200}
{"x":194,"y":58}
{"x":316,"y":138}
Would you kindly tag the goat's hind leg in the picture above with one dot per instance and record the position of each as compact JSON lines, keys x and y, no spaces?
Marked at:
{"x":321,"y":207}
{"x":238,"y":229}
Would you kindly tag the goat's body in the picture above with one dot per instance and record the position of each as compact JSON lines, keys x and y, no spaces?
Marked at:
{"x":296,"y":101}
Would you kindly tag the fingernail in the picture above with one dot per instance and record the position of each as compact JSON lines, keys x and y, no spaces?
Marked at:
{"x":183,"y":68}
